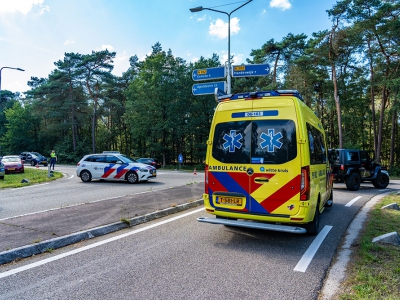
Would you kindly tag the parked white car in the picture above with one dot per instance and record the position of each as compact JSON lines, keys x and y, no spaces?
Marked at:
{"x":113,"y":166}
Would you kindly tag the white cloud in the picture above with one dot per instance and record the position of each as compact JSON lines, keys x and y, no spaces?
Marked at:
{"x":121,"y":63}
{"x":67,"y":42}
{"x":203,"y":18}
{"x":283,"y":4}
{"x":219,"y":28}
{"x":108,"y":47}
{"x":22,"y":6}
{"x":122,"y":57}
{"x":237,"y":58}
{"x":44,"y":9}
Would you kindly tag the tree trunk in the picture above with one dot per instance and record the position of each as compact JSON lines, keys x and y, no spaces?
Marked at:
{"x":392,"y":138}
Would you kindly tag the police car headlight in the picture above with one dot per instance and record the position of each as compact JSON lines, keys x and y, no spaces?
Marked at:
{"x":143,"y":170}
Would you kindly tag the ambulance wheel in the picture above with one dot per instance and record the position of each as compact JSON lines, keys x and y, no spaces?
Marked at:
{"x":329,"y":203}
{"x":313,"y":227}
{"x":132,"y":177}
{"x":353,"y":182}
{"x":86,"y":176}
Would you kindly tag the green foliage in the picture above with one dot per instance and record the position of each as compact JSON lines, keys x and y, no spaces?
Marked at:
{"x":21,"y":131}
{"x":394,"y":171}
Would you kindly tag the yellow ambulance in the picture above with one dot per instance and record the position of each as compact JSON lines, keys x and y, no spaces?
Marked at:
{"x":266,"y":164}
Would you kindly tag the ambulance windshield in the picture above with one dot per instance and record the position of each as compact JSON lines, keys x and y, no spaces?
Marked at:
{"x":255,"y":142}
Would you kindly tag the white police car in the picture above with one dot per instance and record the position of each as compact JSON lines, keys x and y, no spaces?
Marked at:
{"x":111,"y":165}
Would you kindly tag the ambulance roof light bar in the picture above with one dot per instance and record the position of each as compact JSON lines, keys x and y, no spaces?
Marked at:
{"x":221,"y":96}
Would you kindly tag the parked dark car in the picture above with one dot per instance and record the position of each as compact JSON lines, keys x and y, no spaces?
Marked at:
{"x":353,"y":166}
{"x":33,"y":158}
{"x":12,"y":164}
{"x":149,"y":161}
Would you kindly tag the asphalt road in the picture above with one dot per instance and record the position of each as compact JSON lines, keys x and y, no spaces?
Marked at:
{"x":179,"y":258}
{"x":70,"y":190}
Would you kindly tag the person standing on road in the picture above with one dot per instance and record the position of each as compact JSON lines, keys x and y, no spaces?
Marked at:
{"x":53,"y":159}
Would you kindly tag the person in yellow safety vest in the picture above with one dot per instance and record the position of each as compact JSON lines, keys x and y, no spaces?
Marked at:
{"x":53,"y":159}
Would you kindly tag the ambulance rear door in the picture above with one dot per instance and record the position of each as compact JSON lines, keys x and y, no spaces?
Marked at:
{"x":275,"y":171}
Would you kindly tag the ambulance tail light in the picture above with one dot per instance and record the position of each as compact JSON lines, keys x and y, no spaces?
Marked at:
{"x":305,"y":183}
{"x":206,"y":179}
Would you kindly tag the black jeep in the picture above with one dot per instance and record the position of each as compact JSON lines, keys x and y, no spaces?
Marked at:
{"x":355,"y":166}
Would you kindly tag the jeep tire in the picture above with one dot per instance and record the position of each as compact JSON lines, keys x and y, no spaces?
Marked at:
{"x":353,"y":182}
{"x":381,"y":181}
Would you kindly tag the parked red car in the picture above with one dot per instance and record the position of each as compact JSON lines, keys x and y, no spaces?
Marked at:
{"x":12,"y":164}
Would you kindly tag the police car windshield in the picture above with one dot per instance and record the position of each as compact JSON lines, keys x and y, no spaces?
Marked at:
{"x":126,"y":159}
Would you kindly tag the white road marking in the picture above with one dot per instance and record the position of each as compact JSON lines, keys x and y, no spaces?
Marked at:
{"x":94,"y":245}
{"x":30,"y":186}
{"x":352,"y":201}
{"x":72,"y":176}
{"x":305,"y":260}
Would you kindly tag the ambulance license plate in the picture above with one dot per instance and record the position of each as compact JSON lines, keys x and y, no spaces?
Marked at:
{"x":230,"y":201}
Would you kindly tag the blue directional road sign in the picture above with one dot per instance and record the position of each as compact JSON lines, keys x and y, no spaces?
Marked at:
{"x":209,"y":73}
{"x":250,"y":70}
{"x":208,"y":88}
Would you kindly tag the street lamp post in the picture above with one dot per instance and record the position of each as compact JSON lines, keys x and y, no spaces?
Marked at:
{"x":200,"y":8}
{"x":19,"y":69}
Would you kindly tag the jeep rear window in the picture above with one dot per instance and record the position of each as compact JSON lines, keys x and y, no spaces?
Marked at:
{"x":255,"y":142}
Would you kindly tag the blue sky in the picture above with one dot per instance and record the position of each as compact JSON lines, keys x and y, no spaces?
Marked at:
{"x":36,"y":33}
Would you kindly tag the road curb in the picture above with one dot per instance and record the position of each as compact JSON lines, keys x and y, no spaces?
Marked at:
{"x":29,"y":250}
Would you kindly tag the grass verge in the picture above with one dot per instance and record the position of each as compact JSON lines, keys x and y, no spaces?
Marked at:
{"x":374,"y":271}
{"x":33,"y":175}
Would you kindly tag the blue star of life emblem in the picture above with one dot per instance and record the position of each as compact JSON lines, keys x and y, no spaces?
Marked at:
{"x":271,"y":140}
{"x":232,"y":141}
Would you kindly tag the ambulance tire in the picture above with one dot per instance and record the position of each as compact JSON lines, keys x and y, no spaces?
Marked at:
{"x":86,"y":176}
{"x":132,"y":177}
{"x":329,"y":203}
{"x":313,"y":227}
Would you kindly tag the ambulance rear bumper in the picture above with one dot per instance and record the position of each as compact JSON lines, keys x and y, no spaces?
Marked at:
{"x":255,"y":225}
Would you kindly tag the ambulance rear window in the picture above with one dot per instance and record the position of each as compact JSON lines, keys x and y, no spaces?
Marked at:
{"x":255,"y":142}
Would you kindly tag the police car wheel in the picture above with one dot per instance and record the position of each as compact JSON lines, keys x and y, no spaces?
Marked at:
{"x":86,"y":176}
{"x":132,"y":177}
